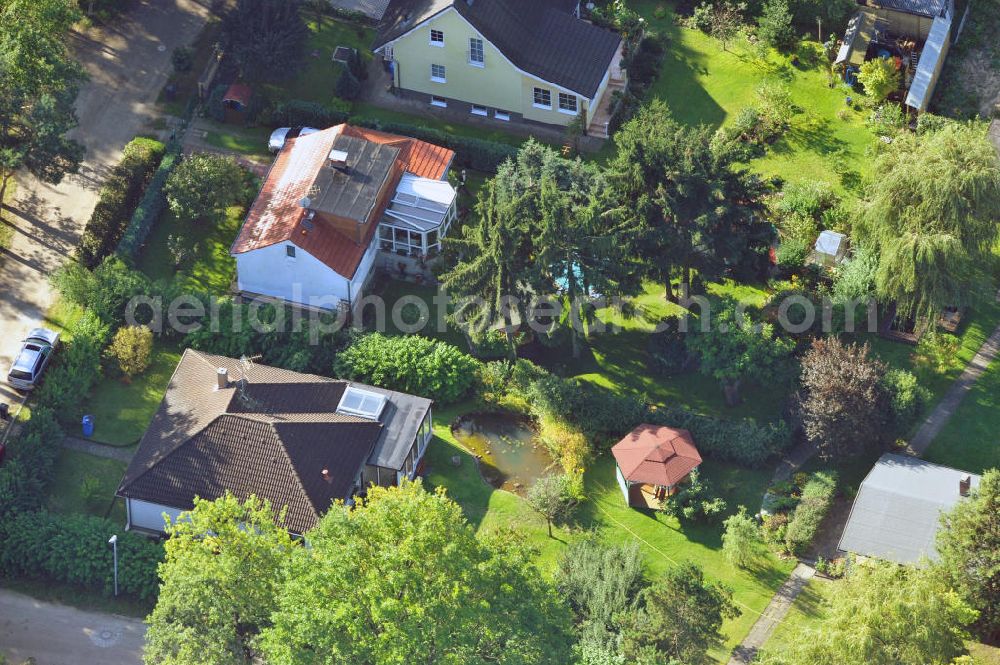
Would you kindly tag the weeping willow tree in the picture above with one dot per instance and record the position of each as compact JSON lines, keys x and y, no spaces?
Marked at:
{"x":931,"y":212}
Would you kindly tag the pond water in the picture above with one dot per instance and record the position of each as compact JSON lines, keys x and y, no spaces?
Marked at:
{"x":510,"y":455}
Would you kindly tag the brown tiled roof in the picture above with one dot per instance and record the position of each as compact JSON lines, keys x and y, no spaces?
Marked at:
{"x":656,"y":455}
{"x":270,"y":436}
{"x":276,"y":214}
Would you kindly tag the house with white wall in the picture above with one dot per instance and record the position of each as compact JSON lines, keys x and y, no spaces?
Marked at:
{"x":311,"y":237}
{"x":300,"y":441}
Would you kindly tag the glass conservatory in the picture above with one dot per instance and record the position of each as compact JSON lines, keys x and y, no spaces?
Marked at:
{"x":418,"y":217}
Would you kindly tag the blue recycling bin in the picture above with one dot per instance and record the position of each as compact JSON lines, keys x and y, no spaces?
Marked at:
{"x":88,"y":426}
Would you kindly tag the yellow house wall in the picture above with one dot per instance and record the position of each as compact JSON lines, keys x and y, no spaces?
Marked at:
{"x":497,"y":85}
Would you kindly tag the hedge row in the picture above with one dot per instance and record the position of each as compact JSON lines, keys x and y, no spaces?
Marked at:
{"x":74,"y":549}
{"x":118,"y":199}
{"x":75,"y":370}
{"x":817,"y":496}
{"x":25,"y":473}
{"x":473,"y":153}
{"x":150,"y":207}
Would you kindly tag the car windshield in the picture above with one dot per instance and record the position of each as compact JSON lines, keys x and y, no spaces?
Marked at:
{"x":20,"y":374}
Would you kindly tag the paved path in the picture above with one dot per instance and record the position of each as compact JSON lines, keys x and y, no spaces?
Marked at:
{"x":128,"y":62}
{"x":54,"y":634}
{"x":99,"y":449}
{"x":945,"y":409}
{"x":793,"y":461}
{"x":773,"y":615}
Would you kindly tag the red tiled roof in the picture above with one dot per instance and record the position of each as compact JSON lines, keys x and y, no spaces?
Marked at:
{"x":656,"y":455}
{"x":275,"y":215}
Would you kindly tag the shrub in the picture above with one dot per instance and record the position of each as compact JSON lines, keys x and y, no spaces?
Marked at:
{"x":411,"y":364}
{"x":203,"y":185}
{"x":741,"y":541}
{"x":27,"y":469}
{"x":792,"y":254}
{"x":695,"y":502}
{"x":774,"y":103}
{"x":73,"y":549}
{"x":701,"y":17}
{"x":105,"y":291}
{"x":887,"y":120}
{"x":150,"y":207}
{"x":473,"y":153}
{"x":879,"y":78}
{"x":909,"y":398}
{"x":297,"y":112}
{"x":669,"y":351}
{"x":131,"y":347}
{"x":75,"y":370}
{"x":774,"y":25}
{"x":118,"y":199}
{"x":348,"y":86}
{"x":817,"y":496}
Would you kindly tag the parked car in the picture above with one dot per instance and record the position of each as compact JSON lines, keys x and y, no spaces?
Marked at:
{"x":282,"y":134}
{"x":34,"y":356}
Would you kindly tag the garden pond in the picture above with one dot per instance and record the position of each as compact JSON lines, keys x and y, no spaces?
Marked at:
{"x":511,"y":457}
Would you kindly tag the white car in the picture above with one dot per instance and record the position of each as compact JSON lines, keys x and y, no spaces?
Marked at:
{"x":31,"y":361}
{"x":282,"y":134}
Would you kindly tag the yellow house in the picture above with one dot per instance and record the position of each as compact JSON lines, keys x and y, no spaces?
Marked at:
{"x":507,"y":60}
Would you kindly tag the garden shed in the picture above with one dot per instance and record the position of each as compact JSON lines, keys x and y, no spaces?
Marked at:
{"x":236,"y":102}
{"x":830,"y":248}
{"x":652,"y":461}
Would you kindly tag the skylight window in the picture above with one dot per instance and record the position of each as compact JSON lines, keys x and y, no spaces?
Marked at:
{"x":361,"y":403}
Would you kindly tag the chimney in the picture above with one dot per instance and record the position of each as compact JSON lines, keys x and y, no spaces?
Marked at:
{"x":222,"y":376}
{"x":326,"y":476}
{"x":964,"y":484}
{"x":338,"y":160}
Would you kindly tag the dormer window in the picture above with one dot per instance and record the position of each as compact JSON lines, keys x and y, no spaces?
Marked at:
{"x":437,"y":38}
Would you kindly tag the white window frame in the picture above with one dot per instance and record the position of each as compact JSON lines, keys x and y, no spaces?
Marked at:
{"x":435,"y":42}
{"x":439,"y":79}
{"x":576,"y":103}
{"x":482,"y":52}
{"x":439,"y":102}
{"x":476,"y":109}
{"x":534,"y":97}
{"x":502,"y":116}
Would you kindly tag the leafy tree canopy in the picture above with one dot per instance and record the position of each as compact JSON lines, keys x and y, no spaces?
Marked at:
{"x":266,"y":38}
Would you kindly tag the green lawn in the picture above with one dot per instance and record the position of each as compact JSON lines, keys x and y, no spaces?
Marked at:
{"x":969,"y":440}
{"x":318,"y":79}
{"x":248,"y":141}
{"x":663,"y":540}
{"x":807,"y":609}
{"x":73,"y":471}
{"x":364,"y":111}
{"x":208,"y":267}
{"x":704,"y":84}
{"x":123,"y":410}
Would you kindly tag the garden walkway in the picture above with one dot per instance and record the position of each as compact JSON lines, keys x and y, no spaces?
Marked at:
{"x":99,"y":449}
{"x":773,"y":614}
{"x":943,"y":412}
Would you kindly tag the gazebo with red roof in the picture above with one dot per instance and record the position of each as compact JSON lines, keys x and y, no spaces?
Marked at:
{"x":652,"y":461}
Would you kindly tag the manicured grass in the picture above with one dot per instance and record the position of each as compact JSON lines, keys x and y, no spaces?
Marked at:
{"x":248,"y":141}
{"x":208,"y":267}
{"x":620,"y":361}
{"x":663,"y":540}
{"x":808,"y":609}
{"x":969,"y":440}
{"x":704,"y":84}
{"x":317,"y":80}
{"x":122,"y":411}
{"x":72,"y":470}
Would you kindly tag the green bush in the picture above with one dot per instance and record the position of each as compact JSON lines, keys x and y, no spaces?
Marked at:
{"x":300,"y":113}
{"x":909,"y":398}
{"x":695,"y":502}
{"x":105,"y":291}
{"x":74,"y":549}
{"x":473,"y":153}
{"x":774,"y":25}
{"x":792,"y":253}
{"x":118,"y":199}
{"x":75,"y":370}
{"x":817,"y":496}
{"x":669,"y":351}
{"x":348,"y":86}
{"x":27,"y":469}
{"x":411,"y":364}
{"x":150,"y":207}
{"x":182,"y":59}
